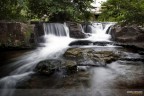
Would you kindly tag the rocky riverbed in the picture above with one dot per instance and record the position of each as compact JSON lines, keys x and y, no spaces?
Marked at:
{"x":55,"y":77}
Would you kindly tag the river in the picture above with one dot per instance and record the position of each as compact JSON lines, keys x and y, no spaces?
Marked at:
{"x":120,"y":78}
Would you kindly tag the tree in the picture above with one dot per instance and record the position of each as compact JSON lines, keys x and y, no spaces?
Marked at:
{"x":123,"y":11}
{"x":12,"y":9}
{"x":58,"y":10}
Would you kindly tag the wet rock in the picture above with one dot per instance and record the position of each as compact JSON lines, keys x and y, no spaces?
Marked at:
{"x":48,"y":67}
{"x":70,"y":66}
{"x":87,"y":56}
{"x":102,"y":43}
{"x":105,"y":56}
{"x":81,"y":42}
{"x":74,"y":53}
{"x":87,"y":42}
{"x":132,"y":59}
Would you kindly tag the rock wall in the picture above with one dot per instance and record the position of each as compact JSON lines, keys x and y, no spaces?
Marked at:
{"x":16,"y":34}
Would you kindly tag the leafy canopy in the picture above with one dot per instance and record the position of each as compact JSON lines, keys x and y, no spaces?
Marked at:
{"x":57,"y":10}
{"x":123,"y":11}
{"x":12,"y":9}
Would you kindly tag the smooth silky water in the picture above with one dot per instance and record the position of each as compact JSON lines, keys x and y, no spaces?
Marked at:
{"x":94,"y":81}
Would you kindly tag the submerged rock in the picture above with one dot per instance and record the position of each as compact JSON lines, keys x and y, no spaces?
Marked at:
{"x":48,"y":67}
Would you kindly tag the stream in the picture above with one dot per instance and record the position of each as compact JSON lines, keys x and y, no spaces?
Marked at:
{"x":123,"y":77}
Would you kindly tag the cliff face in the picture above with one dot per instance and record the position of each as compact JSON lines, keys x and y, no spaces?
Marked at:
{"x":16,"y":34}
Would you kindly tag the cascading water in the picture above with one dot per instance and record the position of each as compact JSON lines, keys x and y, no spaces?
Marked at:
{"x":55,"y":29}
{"x":57,"y":41}
{"x":99,"y":32}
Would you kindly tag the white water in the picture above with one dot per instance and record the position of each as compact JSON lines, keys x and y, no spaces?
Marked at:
{"x":56,"y":29}
{"x":99,"y":32}
{"x":57,"y":41}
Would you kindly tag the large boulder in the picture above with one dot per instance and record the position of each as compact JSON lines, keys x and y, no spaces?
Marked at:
{"x":76,"y":30}
{"x":90,"y":57}
{"x":48,"y":67}
{"x":127,"y":34}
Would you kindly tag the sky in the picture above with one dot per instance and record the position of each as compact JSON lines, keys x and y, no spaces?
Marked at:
{"x":97,"y":3}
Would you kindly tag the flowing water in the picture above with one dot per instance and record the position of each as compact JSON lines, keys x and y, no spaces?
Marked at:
{"x":99,"y":32}
{"x":99,"y":81}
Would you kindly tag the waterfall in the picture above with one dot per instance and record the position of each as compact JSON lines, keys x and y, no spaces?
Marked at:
{"x":56,"y":29}
{"x":98,"y":31}
{"x":57,"y":41}
{"x":97,"y":27}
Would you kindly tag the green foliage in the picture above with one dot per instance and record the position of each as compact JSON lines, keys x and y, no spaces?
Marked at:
{"x":55,"y":10}
{"x":58,"y":10}
{"x":123,"y":11}
{"x":12,"y":9}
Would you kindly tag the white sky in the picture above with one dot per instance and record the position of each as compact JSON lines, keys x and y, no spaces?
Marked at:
{"x":97,"y":3}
